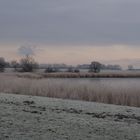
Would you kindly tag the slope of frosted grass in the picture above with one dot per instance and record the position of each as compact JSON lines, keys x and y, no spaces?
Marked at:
{"x":117,"y":91}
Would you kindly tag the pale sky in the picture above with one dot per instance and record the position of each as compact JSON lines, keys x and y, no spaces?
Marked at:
{"x":70,"y":31}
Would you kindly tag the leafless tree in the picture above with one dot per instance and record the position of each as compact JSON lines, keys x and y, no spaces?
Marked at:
{"x":28,"y":64}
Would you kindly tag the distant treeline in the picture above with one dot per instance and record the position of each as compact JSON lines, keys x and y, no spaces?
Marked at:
{"x":61,"y":66}
{"x":102,"y":66}
{"x":28,"y":64}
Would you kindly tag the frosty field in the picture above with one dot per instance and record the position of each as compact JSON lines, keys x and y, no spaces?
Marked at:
{"x":30,"y":117}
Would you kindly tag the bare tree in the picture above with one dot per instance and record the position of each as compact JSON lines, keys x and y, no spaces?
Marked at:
{"x":28,"y":64}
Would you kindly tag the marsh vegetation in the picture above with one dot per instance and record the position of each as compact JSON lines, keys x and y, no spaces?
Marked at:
{"x":106,"y":90}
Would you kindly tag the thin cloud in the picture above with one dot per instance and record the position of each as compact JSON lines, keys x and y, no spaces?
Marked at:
{"x":75,"y":21}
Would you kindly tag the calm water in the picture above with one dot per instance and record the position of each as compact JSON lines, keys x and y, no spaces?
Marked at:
{"x":108,"y":83}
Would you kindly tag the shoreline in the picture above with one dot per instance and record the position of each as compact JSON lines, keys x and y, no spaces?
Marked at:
{"x":82,"y":75}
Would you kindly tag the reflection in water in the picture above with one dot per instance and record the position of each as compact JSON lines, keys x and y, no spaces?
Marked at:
{"x":119,"y":84}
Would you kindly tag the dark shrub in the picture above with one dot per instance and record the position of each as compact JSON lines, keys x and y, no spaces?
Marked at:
{"x":76,"y":70}
{"x":2,"y":64}
{"x":51,"y":70}
{"x":95,"y":67}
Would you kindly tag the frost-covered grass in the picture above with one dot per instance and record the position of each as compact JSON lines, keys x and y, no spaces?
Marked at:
{"x":121,"y":93}
{"x":33,"y":118}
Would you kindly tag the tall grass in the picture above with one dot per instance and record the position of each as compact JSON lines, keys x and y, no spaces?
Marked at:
{"x":121,"y":74}
{"x":79,"y":89}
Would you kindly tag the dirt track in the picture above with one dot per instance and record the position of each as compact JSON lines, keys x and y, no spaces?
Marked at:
{"x":41,"y":118}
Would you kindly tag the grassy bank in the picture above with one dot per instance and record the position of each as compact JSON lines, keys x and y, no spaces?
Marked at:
{"x":36,"y":118}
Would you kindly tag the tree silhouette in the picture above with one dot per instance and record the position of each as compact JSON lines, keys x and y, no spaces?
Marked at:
{"x":95,"y":67}
{"x":2,"y":64}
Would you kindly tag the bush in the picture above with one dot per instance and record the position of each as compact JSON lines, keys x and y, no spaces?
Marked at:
{"x":51,"y":70}
{"x":70,"y":69}
{"x":2,"y":64}
{"x":76,"y":70}
{"x":73,"y":70}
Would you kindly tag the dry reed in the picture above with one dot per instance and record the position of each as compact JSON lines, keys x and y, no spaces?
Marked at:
{"x":31,"y":84}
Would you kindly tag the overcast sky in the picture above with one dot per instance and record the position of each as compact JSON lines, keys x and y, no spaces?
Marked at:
{"x":74,"y":24}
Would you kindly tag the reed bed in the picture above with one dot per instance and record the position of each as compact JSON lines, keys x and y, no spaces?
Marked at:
{"x":91,"y":75}
{"x":78,"y":75}
{"x":77,"y":89}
